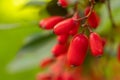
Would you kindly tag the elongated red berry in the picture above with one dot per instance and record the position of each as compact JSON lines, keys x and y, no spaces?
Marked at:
{"x":68,"y":76}
{"x":62,"y":39}
{"x":93,"y":19}
{"x":74,"y":30}
{"x":64,"y":26}
{"x":50,"y":22}
{"x":77,"y":50}
{"x":63,"y":3}
{"x":59,"y":65}
{"x":59,"y":49}
{"x":96,"y":44}
{"x":46,"y":62}
{"x":43,"y":77}
{"x":58,"y":77}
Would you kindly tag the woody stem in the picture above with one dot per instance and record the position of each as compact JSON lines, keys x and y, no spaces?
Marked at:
{"x":110,"y":13}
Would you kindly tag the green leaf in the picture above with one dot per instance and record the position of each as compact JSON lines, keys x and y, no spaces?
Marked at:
{"x":111,"y":48}
{"x":36,"y":48}
{"x":9,"y":26}
{"x":35,"y":3}
{"x":31,"y":43}
{"x":105,"y":27}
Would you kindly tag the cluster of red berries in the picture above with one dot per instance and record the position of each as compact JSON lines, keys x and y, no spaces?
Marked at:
{"x":59,"y":70}
{"x":72,"y":45}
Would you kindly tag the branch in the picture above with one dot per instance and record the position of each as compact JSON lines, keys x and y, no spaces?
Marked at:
{"x":110,"y":13}
{"x":92,"y":2}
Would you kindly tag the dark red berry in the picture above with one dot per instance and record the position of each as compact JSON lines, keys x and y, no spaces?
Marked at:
{"x":50,"y":22}
{"x":96,"y":44}
{"x":93,"y":19}
{"x":62,"y":39}
{"x":59,"y":49}
{"x":77,"y":50}
{"x":63,"y":3}
{"x":64,"y":27}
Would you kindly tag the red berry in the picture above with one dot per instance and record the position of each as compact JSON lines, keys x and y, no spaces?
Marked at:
{"x":63,"y":3}
{"x":58,"y":67}
{"x":62,"y":39}
{"x":64,"y":26}
{"x":58,"y":77}
{"x":76,"y":15}
{"x":74,"y":30}
{"x":68,"y":76}
{"x":46,"y":62}
{"x":77,"y":50}
{"x":50,"y":22}
{"x":93,"y":19}
{"x":59,"y":49}
{"x":96,"y":44}
{"x":44,"y":77}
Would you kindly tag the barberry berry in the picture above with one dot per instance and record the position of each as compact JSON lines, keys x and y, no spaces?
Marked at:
{"x":77,"y":50}
{"x":64,"y":27}
{"x":46,"y":62}
{"x":63,"y":3}
{"x":62,"y":39}
{"x":93,"y":18}
{"x":43,"y":77}
{"x":50,"y":22}
{"x":74,"y":30}
{"x":59,"y":49}
{"x":96,"y":44}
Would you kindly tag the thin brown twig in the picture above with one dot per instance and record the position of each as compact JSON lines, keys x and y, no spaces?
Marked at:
{"x":110,"y":13}
{"x":76,"y":6}
{"x":91,"y":9}
{"x":90,"y":30}
{"x":86,"y":26}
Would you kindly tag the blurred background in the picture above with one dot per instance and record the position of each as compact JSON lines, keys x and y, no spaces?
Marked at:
{"x":23,"y":44}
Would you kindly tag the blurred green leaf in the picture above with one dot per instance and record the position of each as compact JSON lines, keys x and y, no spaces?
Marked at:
{"x":35,"y":41}
{"x":105,"y":27}
{"x":111,"y":48}
{"x":37,"y":47}
{"x":36,"y":3}
{"x":9,"y":26}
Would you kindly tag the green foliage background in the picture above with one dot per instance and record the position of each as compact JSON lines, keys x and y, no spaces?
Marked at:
{"x":23,"y":44}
